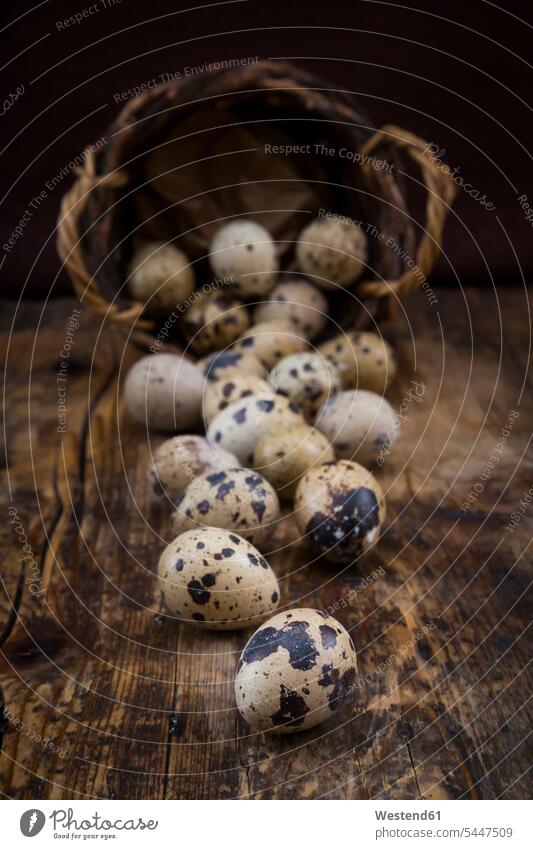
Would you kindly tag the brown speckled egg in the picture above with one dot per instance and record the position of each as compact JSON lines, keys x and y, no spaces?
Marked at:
{"x":160,"y":276}
{"x":164,"y":391}
{"x":339,"y":507}
{"x":214,"y":578}
{"x":219,"y":394}
{"x":298,"y":302}
{"x":236,"y":499}
{"x":222,"y":364}
{"x":270,"y":341}
{"x":287,"y":453}
{"x":214,"y":321}
{"x":295,"y":671}
{"x":363,"y":360}
{"x":360,"y":425}
{"x":240,"y":426}
{"x":179,"y":460}
{"x":332,"y":252}
{"x":307,"y":379}
{"x":244,"y":251}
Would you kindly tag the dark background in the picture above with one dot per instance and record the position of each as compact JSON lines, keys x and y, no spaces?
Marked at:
{"x":457,"y":73}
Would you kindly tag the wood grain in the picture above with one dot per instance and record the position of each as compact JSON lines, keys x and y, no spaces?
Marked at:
{"x":139,"y":707}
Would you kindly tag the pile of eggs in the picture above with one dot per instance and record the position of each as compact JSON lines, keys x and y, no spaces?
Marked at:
{"x":284,"y":420}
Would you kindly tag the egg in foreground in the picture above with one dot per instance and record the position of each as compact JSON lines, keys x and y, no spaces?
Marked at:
{"x":236,"y":499}
{"x":339,"y":508}
{"x":295,"y":672}
{"x":215,"y":579}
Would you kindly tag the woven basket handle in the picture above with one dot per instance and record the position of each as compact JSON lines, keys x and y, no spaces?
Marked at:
{"x":440,"y":194}
{"x":69,"y":248}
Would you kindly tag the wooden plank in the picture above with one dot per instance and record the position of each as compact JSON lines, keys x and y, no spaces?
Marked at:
{"x":142,"y":708}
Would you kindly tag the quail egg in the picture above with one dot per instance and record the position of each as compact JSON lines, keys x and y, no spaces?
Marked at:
{"x":296,"y":671}
{"x":332,"y":251}
{"x":240,"y":426}
{"x":160,"y":276}
{"x":164,"y":392}
{"x":298,"y":302}
{"x":287,"y":453}
{"x":359,"y":424}
{"x":214,"y":322}
{"x":219,"y":394}
{"x":180,"y":459}
{"x":363,"y":360}
{"x":340,"y":508}
{"x":214,"y":578}
{"x":270,"y":341}
{"x":222,"y":364}
{"x":244,"y":252}
{"x":307,"y":379}
{"x":236,"y":499}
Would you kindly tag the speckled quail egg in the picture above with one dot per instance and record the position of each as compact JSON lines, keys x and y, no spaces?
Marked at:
{"x":214,"y":578}
{"x":180,"y":459}
{"x":244,"y":251}
{"x":214,"y":321}
{"x":219,"y":394}
{"x":363,"y":360}
{"x":164,"y":391}
{"x":298,"y":302}
{"x":339,"y":507}
{"x":307,"y":379}
{"x":287,"y":453}
{"x":270,"y":341}
{"x":160,"y":276}
{"x":236,"y":499}
{"x":359,"y":424}
{"x":332,"y":251}
{"x":240,"y":426}
{"x":295,"y":671}
{"x":222,"y":364}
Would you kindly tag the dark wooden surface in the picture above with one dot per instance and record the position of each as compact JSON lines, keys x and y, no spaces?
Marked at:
{"x":141,"y":708}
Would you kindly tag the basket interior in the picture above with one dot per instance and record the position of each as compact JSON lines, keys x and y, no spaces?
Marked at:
{"x":194,"y":162}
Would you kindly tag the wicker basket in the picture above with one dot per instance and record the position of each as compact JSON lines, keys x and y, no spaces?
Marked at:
{"x":183,"y":156}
